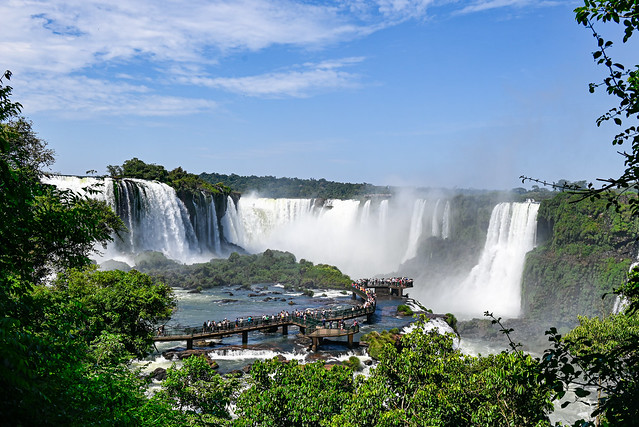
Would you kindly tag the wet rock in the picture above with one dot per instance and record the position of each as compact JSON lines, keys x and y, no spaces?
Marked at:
{"x":184,"y":354}
{"x":368,"y":362}
{"x":158,"y":374}
{"x":255,"y":295}
{"x":227,"y":300}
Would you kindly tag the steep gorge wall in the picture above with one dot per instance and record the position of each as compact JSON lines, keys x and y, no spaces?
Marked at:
{"x":584,"y":251}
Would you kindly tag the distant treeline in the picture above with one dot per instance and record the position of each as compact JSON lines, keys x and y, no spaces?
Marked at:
{"x":177,"y":178}
{"x":270,"y":186}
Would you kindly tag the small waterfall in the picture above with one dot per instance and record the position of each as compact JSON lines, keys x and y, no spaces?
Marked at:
{"x":205,"y":223}
{"x":366,"y":213}
{"x":494,"y":284}
{"x":415,"y":229}
{"x":231,"y":223}
{"x":435,"y":229}
{"x":621,"y":302}
{"x":383,"y":215}
{"x":446,"y":221}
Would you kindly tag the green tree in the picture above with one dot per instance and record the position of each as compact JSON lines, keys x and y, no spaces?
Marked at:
{"x":198,"y":391}
{"x":52,"y":370}
{"x":423,"y":380}
{"x":128,"y":304}
{"x":289,"y":394}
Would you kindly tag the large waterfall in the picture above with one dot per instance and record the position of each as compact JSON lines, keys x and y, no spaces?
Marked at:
{"x":362,"y":238}
{"x":494,"y":284}
{"x":156,"y":218}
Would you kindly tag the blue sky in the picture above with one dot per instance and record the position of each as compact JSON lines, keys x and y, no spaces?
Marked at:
{"x":468,"y":94}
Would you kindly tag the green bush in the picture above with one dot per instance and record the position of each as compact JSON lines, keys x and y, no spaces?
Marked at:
{"x":404,"y":310}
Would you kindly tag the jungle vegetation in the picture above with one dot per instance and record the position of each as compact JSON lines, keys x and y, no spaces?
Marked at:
{"x":271,"y":266}
{"x":177,"y":178}
{"x":270,"y":186}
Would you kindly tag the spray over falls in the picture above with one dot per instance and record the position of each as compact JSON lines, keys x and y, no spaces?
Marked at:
{"x":362,"y":238}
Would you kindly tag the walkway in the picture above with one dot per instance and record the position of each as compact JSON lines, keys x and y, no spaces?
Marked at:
{"x":311,"y":323}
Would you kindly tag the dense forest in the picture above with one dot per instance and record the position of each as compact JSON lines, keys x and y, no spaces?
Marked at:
{"x":270,"y":186}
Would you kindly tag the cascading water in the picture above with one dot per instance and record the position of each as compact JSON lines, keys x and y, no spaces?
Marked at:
{"x":361,"y":238}
{"x":156,"y":218}
{"x":366,"y":213}
{"x":446,"y":221}
{"x":435,"y":229}
{"x":494,"y":284}
{"x":621,"y":302}
{"x":415,"y":229}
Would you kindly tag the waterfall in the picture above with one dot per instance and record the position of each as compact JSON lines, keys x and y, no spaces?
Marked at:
{"x":446,"y":221}
{"x":366,"y":213}
{"x":383,"y":216}
{"x":231,"y":223}
{"x":360,"y":238}
{"x":205,"y":223}
{"x":156,"y":219}
{"x":435,"y":229}
{"x":415,"y":229}
{"x":621,"y":302}
{"x":494,"y":284}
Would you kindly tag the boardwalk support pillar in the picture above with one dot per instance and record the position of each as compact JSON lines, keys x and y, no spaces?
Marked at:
{"x":245,"y":337}
{"x":189,"y":344}
{"x":350,"y":340}
{"x":302,"y":330}
{"x":369,"y":317}
{"x":354,"y":296}
{"x":284,"y":329}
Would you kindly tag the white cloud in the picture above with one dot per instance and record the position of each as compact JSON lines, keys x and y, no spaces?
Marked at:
{"x":84,"y":97}
{"x":65,"y":36}
{"x":482,"y":5}
{"x":81,"y":44}
{"x":296,"y":82}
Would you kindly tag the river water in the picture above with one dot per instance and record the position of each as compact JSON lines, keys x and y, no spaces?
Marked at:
{"x":231,"y":302}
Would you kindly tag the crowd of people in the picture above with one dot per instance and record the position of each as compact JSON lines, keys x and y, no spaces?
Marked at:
{"x":318,"y":314}
{"x":391,"y":281}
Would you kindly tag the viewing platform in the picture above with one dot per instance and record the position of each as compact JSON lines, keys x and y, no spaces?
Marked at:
{"x":392,"y":286}
{"x":319,"y":333}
